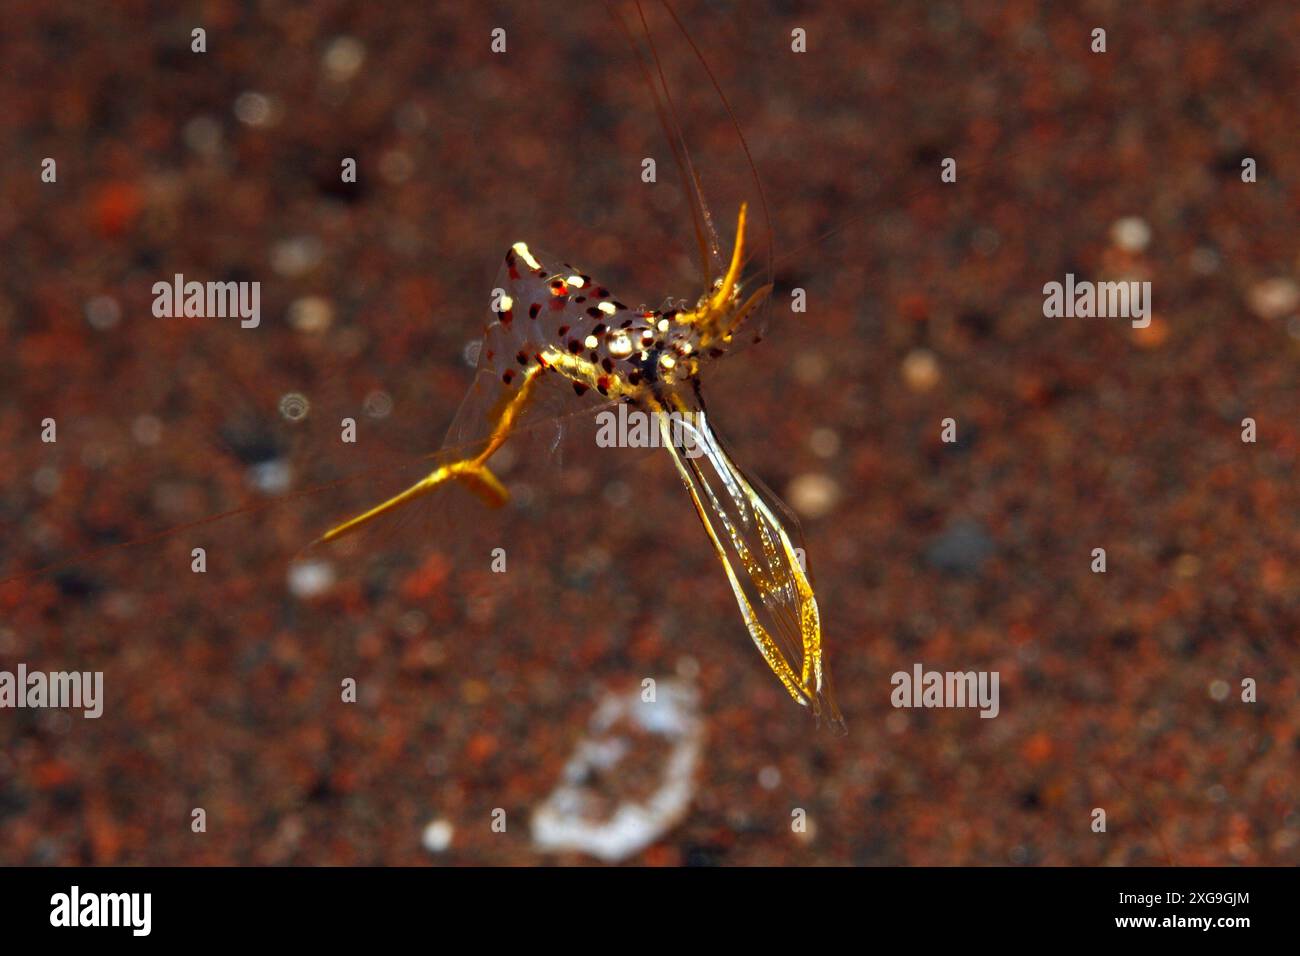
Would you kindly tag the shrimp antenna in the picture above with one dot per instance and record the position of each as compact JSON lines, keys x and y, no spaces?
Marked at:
{"x":676,"y":141}
{"x":740,"y":135}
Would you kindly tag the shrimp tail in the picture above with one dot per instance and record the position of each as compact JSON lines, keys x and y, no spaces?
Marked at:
{"x":758,"y":555}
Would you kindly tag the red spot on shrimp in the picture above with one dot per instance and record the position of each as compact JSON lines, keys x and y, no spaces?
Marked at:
{"x":580,"y":388}
{"x":533,"y":310}
{"x":508,"y":376}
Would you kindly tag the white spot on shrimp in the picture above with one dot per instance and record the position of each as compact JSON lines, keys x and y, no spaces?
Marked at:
{"x":521,"y":250}
{"x":620,"y":346}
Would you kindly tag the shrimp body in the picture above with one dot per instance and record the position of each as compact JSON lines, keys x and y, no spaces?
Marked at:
{"x":563,"y":322}
{"x":567,"y":322}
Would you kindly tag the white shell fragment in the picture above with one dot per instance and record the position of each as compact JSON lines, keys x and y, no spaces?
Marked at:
{"x":576,"y":816}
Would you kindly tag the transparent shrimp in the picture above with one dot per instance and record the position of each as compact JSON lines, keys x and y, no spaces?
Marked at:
{"x":552,"y":322}
{"x":562,"y":324}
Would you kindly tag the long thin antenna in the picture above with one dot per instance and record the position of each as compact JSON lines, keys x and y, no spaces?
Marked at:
{"x":676,"y":141}
{"x":744,"y":144}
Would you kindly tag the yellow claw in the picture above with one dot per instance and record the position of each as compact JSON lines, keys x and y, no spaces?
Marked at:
{"x":717,"y":317}
{"x":477,"y":476}
{"x":722,"y":296}
{"x":472,"y":471}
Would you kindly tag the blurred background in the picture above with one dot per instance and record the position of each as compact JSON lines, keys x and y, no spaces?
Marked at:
{"x":475,"y":687}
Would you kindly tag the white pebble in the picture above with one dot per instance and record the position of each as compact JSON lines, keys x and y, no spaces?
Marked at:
{"x":378,"y":404}
{"x":1132,"y":234}
{"x":437,"y":836}
{"x":824,"y":442}
{"x":103,"y":312}
{"x":311,"y":313}
{"x":921,"y":370}
{"x":309,"y":579}
{"x":1274,"y":298}
{"x":270,"y":477}
{"x":814,"y":495}
{"x":203,"y":135}
{"x":296,"y":257}
{"x":255,"y":109}
{"x":343,"y":58}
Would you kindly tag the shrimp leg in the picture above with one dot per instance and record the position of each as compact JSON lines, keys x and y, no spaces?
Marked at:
{"x":472,"y":471}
